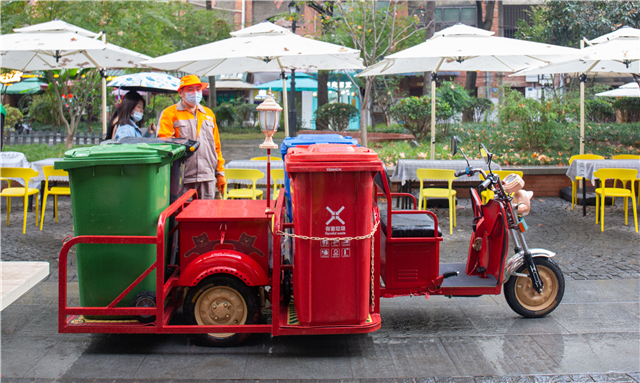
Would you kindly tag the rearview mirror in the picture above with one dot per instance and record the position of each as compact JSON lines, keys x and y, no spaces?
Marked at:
{"x":486,"y":156}
{"x":454,"y":145}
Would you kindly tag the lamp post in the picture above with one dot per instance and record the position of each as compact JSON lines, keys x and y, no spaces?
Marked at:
{"x":293,"y":9}
{"x":269,"y":118}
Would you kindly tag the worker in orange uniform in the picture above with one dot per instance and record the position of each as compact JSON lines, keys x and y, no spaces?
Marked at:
{"x":188,"y":119}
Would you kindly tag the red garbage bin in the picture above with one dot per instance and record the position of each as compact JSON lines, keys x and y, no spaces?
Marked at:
{"x":332,"y":197}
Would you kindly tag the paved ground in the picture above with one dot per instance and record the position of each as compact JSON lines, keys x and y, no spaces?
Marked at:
{"x":594,"y":335}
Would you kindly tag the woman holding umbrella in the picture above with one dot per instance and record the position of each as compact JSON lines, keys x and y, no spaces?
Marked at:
{"x":128,"y":118}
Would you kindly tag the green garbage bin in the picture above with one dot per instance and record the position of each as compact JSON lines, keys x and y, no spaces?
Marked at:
{"x":117,"y":190}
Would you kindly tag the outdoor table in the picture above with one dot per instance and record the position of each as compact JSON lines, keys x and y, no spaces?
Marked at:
{"x":18,"y":277}
{"x":16,"y":160}
{"x":259,"y":165}
{"x":586,"y":168}
{"x":405,"y":170}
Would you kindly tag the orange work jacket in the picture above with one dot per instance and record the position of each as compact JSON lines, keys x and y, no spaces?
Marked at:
{"x":207,"y":162}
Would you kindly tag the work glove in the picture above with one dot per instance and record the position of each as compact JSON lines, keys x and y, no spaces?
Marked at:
{"x":221,"y":183}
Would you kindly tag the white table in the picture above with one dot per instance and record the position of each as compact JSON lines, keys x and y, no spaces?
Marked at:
{"x":259,"y":165}
{"x":586,"y":168}
{"x":405,"y":170}
{"x":13,"y":160}
{"x":38,"y":165}
{"x":18,"y":278}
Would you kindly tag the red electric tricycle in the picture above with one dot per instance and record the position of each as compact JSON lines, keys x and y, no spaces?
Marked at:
{"x":243,"y":267}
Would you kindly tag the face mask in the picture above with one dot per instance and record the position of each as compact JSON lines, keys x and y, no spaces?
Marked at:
{"x":137,"y":116}
{"x":193,"y":97}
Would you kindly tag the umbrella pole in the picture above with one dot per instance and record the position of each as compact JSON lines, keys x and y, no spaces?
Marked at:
{"x":434,"y":78}
{"x":583,"y":78}
{"x":104,"y":94}
{"x":433,"y":115}
{"x":284,"y":99}
{"x":104,"y":106}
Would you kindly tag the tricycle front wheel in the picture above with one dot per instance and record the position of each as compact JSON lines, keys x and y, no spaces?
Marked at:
{"x":222,"y":300}
{"x":525,"y":300}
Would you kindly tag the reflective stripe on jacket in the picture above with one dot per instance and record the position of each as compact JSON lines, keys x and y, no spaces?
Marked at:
{"x":178,"y":121}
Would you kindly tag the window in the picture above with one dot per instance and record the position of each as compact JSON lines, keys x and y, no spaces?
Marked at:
{"x":448,"y":16}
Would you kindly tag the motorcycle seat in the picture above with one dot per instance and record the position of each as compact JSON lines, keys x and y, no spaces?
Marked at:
{"x":409,"y":225}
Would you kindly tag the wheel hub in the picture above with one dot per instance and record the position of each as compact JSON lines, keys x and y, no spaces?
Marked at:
{"x":529,"y":297}
{"x":220,"y":305}
{"x":221,"y":311}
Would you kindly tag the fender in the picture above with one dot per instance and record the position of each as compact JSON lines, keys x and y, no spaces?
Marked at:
{"x":224,"y":262}
{"x":517,"y":260}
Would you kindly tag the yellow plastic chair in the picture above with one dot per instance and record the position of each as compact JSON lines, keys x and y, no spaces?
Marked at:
{"x":277,"y":175}
{"x":574,"y":189}
{"x":441,"y":175}
{"x":265,"y":158}
{"x":243,"y":174}
{"x":627,"y":157}
{"x":26,"y":174}
{"x":624,"y":175}
{"x":488,"y":194}
{"x":49,"y":171}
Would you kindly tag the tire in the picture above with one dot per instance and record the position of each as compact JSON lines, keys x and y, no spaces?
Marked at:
{"x":224,"y":295}
{"x":145,"y":299}
{"x":524,"y":300}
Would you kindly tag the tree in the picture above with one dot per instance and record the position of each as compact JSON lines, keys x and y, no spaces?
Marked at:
{"x":485,"y":23}
{"x":566,"y":22}
{"x":151,"y":27}
{"x":386,"y":95}
{"x":325,"y":10}
{"x":430,"y":22}
{"x":376,"y":30}
{"x":85,"y":86}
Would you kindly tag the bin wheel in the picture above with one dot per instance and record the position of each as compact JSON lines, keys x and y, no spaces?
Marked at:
{"x":222,"y":300}
{"x":145,"y":299}
{"x":524,"y":300}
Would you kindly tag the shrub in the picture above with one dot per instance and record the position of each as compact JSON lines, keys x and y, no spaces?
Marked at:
{"x":534,"y":123}
{"x":226,"y":115}
{"x":414,"y":114}
{"x":629,"y":107}
{"x":247,"y":114}
{"x":13,"y":116}
{"x":456,"y":96}
{"x":598,"y":111}
{"x":479,"y":107}
{"x":338,"y":115}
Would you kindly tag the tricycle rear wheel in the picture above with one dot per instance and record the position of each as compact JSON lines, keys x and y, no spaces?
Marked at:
{"x":524,"y":300}
{"x":222,"y":300}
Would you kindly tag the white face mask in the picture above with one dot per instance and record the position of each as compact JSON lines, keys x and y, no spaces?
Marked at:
{"x":193,"y":97}
{"x":137,"y":116}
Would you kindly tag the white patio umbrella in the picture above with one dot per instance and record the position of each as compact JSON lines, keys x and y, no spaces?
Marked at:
{"x":616,"y":52}
{"x":56,"y":26}
{"x":260,"y":48}
{"x":59,"y":45}
{"x":627,"y":90}
{"x":465,"y":48}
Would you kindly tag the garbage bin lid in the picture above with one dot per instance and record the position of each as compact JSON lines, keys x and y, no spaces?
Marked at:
{"x":126,"y":154}
{"x":316,"y":158}
{"x":310,"y":139}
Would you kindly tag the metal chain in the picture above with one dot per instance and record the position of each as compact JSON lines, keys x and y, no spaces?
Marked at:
{"x":357,"y":238}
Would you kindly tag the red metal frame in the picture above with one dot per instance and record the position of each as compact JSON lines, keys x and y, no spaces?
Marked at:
{"x":163,"y":313}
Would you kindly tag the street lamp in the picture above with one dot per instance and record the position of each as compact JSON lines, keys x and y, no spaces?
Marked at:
{"x":293,"y":9}
{"x":269,"y":118}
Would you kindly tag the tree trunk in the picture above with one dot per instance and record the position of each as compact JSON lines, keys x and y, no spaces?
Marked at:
{"x":430,"y":21}
{"x":52,"y":80}
{"x":364,"y":110}
{"x":485,"y":23}
{"x":323,"y":97}
{"x":213,"y":96}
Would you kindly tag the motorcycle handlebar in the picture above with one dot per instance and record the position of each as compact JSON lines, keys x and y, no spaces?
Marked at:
{"x":460,"y":173}
{"x":485,"y":184}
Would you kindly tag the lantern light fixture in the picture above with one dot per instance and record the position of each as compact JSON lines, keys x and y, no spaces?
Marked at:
{"x":269,"y":118}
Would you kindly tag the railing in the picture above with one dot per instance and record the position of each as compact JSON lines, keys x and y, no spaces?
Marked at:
{"x":49,"y":137}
